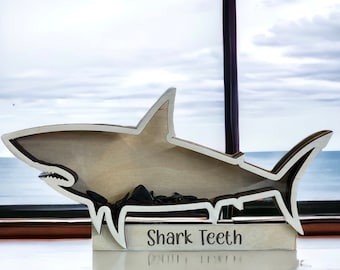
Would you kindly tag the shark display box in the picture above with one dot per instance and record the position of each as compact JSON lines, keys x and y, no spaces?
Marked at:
{"x":146,"y":170}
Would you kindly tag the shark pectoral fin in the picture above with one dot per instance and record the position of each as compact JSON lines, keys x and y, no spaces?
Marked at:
{"x":104,"y":213}
{"x":117,"y":233}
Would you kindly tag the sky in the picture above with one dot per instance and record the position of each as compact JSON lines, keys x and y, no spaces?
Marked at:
{"x":108,"y":61}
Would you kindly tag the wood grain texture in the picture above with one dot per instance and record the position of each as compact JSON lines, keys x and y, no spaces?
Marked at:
{"x":113,"y":164}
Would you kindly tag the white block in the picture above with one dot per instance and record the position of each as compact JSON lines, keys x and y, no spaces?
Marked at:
{"x":205,"y":237}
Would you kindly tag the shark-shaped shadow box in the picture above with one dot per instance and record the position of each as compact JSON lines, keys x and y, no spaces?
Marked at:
{"x":146,"y":189}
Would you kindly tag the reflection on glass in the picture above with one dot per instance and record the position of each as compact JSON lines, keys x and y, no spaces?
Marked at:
{"x":141,"y":260}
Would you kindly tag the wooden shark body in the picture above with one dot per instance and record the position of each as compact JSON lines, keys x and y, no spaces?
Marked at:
{"x":112,"y":160}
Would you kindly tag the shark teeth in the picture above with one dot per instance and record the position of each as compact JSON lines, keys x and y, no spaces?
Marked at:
{"x":52,"y":175}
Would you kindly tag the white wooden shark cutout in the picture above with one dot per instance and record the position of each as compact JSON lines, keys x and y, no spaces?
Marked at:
{"x":111,"y":161}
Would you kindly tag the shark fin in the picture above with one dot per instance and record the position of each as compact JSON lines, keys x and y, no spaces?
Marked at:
{"x":284,"y":181}
{"x":292,"y":166}
{"x":159,"y":118}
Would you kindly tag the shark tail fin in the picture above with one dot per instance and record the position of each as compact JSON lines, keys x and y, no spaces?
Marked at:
{"x":290,"y":169}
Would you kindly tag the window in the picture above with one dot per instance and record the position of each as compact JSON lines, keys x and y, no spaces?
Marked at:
{"x":288,"y":84}
{"x":108,"y":61}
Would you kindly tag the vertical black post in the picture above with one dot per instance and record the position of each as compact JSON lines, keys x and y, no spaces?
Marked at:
{"x":230,"y":77}
{"x":230,"y":85}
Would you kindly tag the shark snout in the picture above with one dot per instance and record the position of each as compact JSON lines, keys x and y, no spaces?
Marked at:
{"x":40,"y":153}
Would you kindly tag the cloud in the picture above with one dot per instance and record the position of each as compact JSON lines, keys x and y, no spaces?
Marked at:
{"x":109,"y":61}
{"x":82,"y":65}
{"x":271,"y":3}
{"x":291,"y":81}
{"x":311,"y":44}
{"x":305,"y":31}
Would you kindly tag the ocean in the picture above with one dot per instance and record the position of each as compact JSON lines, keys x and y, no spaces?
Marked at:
{"x":20,"y":184}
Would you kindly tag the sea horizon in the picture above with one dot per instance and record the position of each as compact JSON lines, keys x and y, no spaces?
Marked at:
{"x":20,"y":184}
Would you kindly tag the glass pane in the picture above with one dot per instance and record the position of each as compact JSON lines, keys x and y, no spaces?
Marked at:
{"x":20,"y":185}
{"x":106,"y":62}
{"x":320,"y":182}
{"x":288,"y":66}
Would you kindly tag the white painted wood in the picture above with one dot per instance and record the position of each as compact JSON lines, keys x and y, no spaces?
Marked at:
{"x":112,"y":160}
{"x":200,"y":237}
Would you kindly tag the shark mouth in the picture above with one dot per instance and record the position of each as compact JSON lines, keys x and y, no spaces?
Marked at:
{"x":52,"y":175}
{"x":59,"y":176}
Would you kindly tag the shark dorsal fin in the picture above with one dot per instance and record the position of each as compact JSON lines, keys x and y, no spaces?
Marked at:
{"x":157,"y":123}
